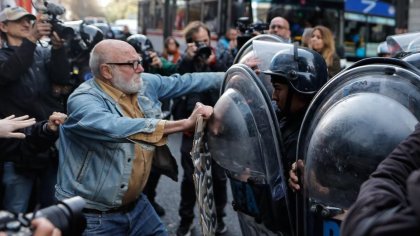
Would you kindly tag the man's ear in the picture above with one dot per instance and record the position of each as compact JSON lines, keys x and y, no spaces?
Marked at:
{"x":3,"y":27}
{"x":106,"y":71}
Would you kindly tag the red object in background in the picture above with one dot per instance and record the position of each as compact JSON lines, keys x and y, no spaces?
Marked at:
{"x":27,"y":4}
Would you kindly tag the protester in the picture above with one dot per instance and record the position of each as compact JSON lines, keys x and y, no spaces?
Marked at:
{"x":387,"y":203}
{"x":31,"y":81}
{"x":10,"y":124}
{"x":322,"y":41}
{"x":199,"y":57}
{"x":280,"y":27}
{"x":161,"y":66}
{"x":108,"y":141}
{"x":33,"y":138}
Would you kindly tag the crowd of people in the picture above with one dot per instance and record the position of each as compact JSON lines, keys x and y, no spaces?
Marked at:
{"x":99,"y":142}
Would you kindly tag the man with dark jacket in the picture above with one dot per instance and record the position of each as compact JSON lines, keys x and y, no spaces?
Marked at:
{"x":199,"y":57}
{"x":20,"y":136}
{"x":388,"y":202}
{"x":31,"y":78}
{"x":9,"y":126}
{"x":36,"y":138}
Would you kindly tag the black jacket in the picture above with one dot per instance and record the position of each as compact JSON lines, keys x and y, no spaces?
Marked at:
{"x":27,"y":74}
{"x":38,"y":139}
{"x":388,"y":202}
{"x":185,"y":105}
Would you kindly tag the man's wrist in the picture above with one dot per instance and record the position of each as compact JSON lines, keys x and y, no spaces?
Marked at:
{"x":46,"y":129}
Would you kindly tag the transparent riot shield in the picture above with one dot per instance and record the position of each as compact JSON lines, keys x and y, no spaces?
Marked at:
{"x":352,"y":124}
{"x":247,"y":51}
{"x":247,"y":47}
{"x":244,"y":138}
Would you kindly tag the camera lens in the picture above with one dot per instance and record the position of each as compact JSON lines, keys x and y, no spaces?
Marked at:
{"x":203,"y":50}
{"x":66,"y":215}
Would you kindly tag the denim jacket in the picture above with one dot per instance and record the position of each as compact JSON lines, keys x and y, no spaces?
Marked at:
{"x":95,"y":153}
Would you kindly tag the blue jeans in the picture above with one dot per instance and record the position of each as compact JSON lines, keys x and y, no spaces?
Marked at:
{"x":142,"y":220}
{"x":18,"y":186}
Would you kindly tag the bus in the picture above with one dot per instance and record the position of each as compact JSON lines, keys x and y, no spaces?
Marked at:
{"x":358,"y":25}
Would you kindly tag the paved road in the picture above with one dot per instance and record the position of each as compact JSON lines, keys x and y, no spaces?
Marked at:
{"x":168,"y":195}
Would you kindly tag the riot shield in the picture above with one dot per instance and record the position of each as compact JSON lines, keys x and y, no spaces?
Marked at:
{"x":351,"y":125}
{"x":248,"y":51}
{"x":247,"y":47}
{"x":243,"y":137}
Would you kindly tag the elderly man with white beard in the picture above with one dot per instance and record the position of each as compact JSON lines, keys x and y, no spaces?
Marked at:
{"x":108,"y":141}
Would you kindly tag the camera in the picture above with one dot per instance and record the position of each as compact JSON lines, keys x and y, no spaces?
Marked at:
{"x":203,"y":50}
{"x":66,"y":216}
{"x":143,"y":47}
{"x":147,"y":59}
{"x":54,"y":10}
{"x":248,"y":29}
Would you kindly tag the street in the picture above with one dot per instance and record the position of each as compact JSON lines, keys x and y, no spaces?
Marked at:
{"x":168,"y":196}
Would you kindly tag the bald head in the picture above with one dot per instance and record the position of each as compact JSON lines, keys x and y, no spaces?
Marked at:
{"x":106,"y":51}
{"x":280,"y":27}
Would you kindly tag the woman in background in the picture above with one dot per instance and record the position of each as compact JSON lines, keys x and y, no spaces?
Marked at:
{"x":322,"y":41}
{"x":171,"y":50}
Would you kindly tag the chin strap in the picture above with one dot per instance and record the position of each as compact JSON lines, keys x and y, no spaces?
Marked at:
{"x":286,"y":111}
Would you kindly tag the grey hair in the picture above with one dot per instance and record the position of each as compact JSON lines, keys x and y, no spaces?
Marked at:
{"x":96,"y":59}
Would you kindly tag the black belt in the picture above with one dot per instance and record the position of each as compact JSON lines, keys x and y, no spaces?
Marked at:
{"x":122,"y":209}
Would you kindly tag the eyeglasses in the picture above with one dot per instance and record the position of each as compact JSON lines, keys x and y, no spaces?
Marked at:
{"x":134,"y":64}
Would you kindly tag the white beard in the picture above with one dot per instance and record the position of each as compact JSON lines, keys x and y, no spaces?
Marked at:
{"x":128,"y":88}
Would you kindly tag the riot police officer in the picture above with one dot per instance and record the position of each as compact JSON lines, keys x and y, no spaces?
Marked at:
{"x":152,"y":62}
{"x":382,"y":50}
{"x":296,"y":76}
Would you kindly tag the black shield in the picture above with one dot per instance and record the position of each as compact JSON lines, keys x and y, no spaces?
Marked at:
{"x":352,"y":124}
{"x":244,"y":138}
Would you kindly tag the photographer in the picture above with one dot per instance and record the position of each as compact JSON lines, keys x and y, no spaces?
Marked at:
{"x":152,"y":62}
{"x":65,"y":218}
{"x":42,"y":227}
{"x":199,"y":57}
{"x":280,"y":27}
{"x":31,"y":77}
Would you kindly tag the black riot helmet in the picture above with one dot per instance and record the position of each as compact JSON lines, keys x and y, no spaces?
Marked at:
{"x":91,"y":35}
{"x":140,"y":42}
{"x":382,"y":50}
{"x":304,"y":69}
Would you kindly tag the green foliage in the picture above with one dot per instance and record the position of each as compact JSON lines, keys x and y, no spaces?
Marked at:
{"x":120,"y":9}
